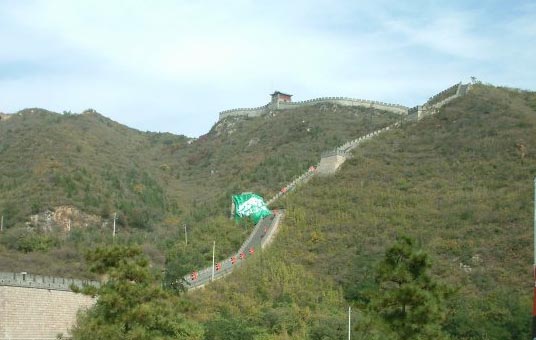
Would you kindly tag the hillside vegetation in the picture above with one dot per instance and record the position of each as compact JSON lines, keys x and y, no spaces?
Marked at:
{"x":460,"y":183}
{"x":155,"y":182}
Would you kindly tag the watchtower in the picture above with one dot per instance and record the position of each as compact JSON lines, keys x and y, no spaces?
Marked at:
{"x":278,"y":97}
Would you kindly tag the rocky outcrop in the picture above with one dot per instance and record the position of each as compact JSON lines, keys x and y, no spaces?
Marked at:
{"x":65,"y":218}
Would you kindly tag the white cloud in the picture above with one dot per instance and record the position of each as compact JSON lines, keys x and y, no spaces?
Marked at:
{"x":185,"y":61}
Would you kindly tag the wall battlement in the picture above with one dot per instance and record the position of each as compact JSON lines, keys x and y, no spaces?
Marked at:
{"x":451,"y":91}
{"x":42,"y":282}
{"x":250,"y":112}
{"x":435,"y":101}
{"x":39,"y":307}
{"x":344,"y":101}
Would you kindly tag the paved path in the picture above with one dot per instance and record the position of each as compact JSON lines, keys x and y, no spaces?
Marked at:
{"x":261,"y":235}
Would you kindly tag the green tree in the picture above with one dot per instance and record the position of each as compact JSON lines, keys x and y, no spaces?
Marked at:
{"x":131,"y":303}
{"x":409,"y":300}
{"x":227,"y":327}
{"x":179,"y":262}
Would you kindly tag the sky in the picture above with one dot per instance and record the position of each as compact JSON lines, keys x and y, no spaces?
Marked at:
{"x":172,"y":66}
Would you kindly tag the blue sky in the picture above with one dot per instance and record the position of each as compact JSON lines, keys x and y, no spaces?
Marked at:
{"x":172,"y":66}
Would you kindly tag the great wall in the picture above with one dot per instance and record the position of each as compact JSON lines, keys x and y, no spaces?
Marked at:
{"x":40,"y":307}
{"x":277,"y":104}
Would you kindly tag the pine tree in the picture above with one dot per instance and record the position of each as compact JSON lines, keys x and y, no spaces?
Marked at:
{"x":131,"y":303}
{"x":409,"y":300}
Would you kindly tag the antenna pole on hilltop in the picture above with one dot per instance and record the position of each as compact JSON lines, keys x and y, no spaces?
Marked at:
{"x":534,"y":270}
{"x":185,"y":234}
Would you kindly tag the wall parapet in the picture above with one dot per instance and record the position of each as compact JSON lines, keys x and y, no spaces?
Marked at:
{"x":448,"y":92}
{"x":250,"y":112}
{"x":344,"y":101}
{"x":26,"y":280}
{"x":331,"y":153}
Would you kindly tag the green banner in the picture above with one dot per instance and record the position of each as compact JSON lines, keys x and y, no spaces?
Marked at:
{"x":250,"y":205}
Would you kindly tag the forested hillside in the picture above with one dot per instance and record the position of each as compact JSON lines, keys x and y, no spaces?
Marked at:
{"x":155,"y":182}
{"x":460,"y":183}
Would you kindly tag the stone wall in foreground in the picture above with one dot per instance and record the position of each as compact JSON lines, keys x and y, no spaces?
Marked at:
{"x":32,"y":313}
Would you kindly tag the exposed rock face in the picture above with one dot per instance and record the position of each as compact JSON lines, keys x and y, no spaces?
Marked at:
{"x":4,"y":116}
{"x":253,"y":141}
{"x":66,"y":218}
{"x":227,"y":126}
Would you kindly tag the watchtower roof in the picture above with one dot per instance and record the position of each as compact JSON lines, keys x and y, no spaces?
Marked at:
{"x":281,"y":93}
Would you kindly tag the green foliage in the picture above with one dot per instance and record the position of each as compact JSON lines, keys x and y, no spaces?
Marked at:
{"x":231,"y":328}
{"x":409,"y":300}
{"x":503,"y":315}
{"x":328,"y":327}
{"x":455,"y":182}
{"x":101,"y":167}
{"x":180,"y":262}
{"x":459,"y":183}
{"x":29,"y":240}
{"x":131,"y":304}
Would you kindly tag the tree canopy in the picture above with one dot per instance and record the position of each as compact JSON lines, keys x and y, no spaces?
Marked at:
{"x":409,"y":300}
{"x":131,"y":303}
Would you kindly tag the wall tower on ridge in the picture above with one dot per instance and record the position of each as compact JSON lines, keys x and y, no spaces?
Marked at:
{"x":278,"y":97}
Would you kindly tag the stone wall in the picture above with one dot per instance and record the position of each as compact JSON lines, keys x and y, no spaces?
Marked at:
{"x":32,"y":313}
{"x":330,"y":163}
{"x":449,"y":92}
{"x":42,"y":282}
{"x":344,"y":101}
{"x":253,"y":112}
{"x":39,"y":307}
{"x":395,"y":108}
{"x":433,"y":105}
{"x":417,"y":112}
